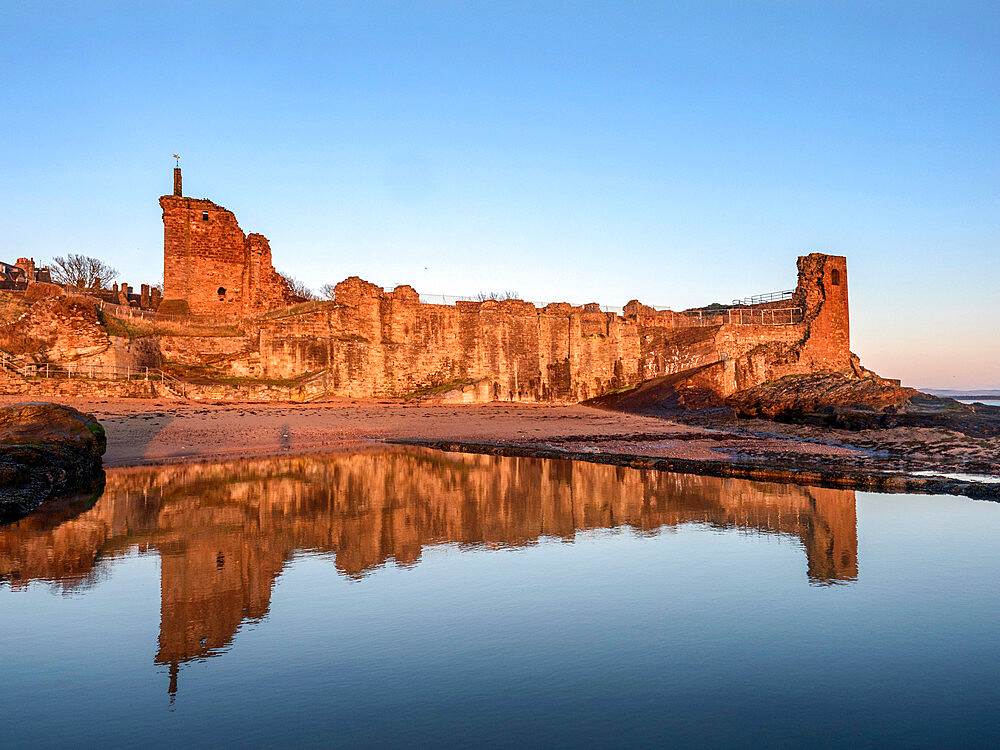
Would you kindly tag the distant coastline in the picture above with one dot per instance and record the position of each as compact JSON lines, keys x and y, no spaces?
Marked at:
{"x":989,"y":394}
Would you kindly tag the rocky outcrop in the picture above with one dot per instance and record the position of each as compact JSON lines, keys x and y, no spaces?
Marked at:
{"x":46,"y":450}
{"x":694,"y":392}
{"x":817,"y":392}
{"x":868,"y":402}
{"x":858,"y":400}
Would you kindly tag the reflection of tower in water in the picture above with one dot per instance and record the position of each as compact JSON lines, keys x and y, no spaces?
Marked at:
{"x":225,"y":531}
{"x":172,"y":687}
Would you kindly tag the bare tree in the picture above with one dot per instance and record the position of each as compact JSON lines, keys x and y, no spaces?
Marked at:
{"x":507,"y":294}
{"x":297,"y":288}
{"x":328,"y":291}
{"x":82,"y":271}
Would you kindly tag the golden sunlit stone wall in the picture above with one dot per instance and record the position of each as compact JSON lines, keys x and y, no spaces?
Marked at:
{"x":372,"y":342}
{"x":376,"y":343}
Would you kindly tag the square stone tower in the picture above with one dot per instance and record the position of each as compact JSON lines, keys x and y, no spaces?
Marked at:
{"x":210,"y":267}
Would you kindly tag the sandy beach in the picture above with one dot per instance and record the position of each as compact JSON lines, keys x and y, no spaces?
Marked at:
{"x":142,"y":432}
{"x":149,"y":432}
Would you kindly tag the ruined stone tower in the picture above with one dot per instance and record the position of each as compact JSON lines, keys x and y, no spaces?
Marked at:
{"x":210,"y":267}
{"x":822,"y":293}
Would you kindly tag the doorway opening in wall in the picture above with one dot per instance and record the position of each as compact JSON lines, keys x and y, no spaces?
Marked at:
{"x":222,"y":294}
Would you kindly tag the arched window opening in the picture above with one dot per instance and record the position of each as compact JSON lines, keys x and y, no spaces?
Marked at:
{"x":835,"y":277}
{"x":222,"y":293}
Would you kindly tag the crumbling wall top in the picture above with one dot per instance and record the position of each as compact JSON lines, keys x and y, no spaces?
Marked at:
{"x":353,"y":289}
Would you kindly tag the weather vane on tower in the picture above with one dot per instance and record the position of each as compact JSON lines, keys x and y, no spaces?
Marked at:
{"x":177,"y":176}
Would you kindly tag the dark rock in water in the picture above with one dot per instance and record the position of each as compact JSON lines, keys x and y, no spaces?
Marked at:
{"x":46,"y":450}
{"x":871,"y":402}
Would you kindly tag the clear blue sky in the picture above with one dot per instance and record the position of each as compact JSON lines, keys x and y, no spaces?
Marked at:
{"x":678,"y":153}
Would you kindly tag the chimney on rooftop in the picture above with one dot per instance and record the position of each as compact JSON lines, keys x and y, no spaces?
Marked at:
{"x":177,"y":182}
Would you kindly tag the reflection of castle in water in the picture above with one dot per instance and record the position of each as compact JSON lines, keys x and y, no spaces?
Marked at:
{"x":224,"y":531}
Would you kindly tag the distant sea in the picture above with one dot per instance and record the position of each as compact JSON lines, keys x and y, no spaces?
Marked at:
{"x":967,"y":395}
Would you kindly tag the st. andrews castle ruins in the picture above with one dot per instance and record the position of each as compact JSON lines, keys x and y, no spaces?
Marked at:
{"x":228,"y":326}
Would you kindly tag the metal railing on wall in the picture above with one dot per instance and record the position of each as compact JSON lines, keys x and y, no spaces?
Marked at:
{"x":451,"y":299}
{"x":740,"y":313}
{"x":741,"y":316}
{"x":759,"y":299}
{"x":71,"y":370}
{"x":131,"y":313}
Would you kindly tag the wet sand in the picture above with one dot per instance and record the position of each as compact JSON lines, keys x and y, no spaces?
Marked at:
{"x":151,"y":432}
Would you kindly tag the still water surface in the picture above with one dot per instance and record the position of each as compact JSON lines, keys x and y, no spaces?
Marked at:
{"x":399,"y":596}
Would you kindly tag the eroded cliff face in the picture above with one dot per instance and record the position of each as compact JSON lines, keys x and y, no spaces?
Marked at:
{"x":56,"y":329}
{"x":67,"y":330}
{"x":225,"y":531}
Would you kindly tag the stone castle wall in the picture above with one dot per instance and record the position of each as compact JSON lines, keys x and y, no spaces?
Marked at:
{"x":376,"y":343}
{"x":368,"y":342}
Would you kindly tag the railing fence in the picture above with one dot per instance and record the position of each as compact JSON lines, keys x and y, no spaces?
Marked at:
{"x":740,"y":313}
{"x":759,"y":299}
{"x":70,"y":370}
{"x":741,"y":316}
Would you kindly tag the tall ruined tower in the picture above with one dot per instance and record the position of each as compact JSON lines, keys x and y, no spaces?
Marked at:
{"x":210,"y":267}
{"x":822,"y":293}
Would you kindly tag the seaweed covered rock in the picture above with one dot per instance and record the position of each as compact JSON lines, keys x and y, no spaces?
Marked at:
{"x":46,"y":450}
{"x":869,"y":402}
{"x":816,"y":392}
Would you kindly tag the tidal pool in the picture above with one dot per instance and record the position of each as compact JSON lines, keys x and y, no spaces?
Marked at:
{"x":407,"y":597}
